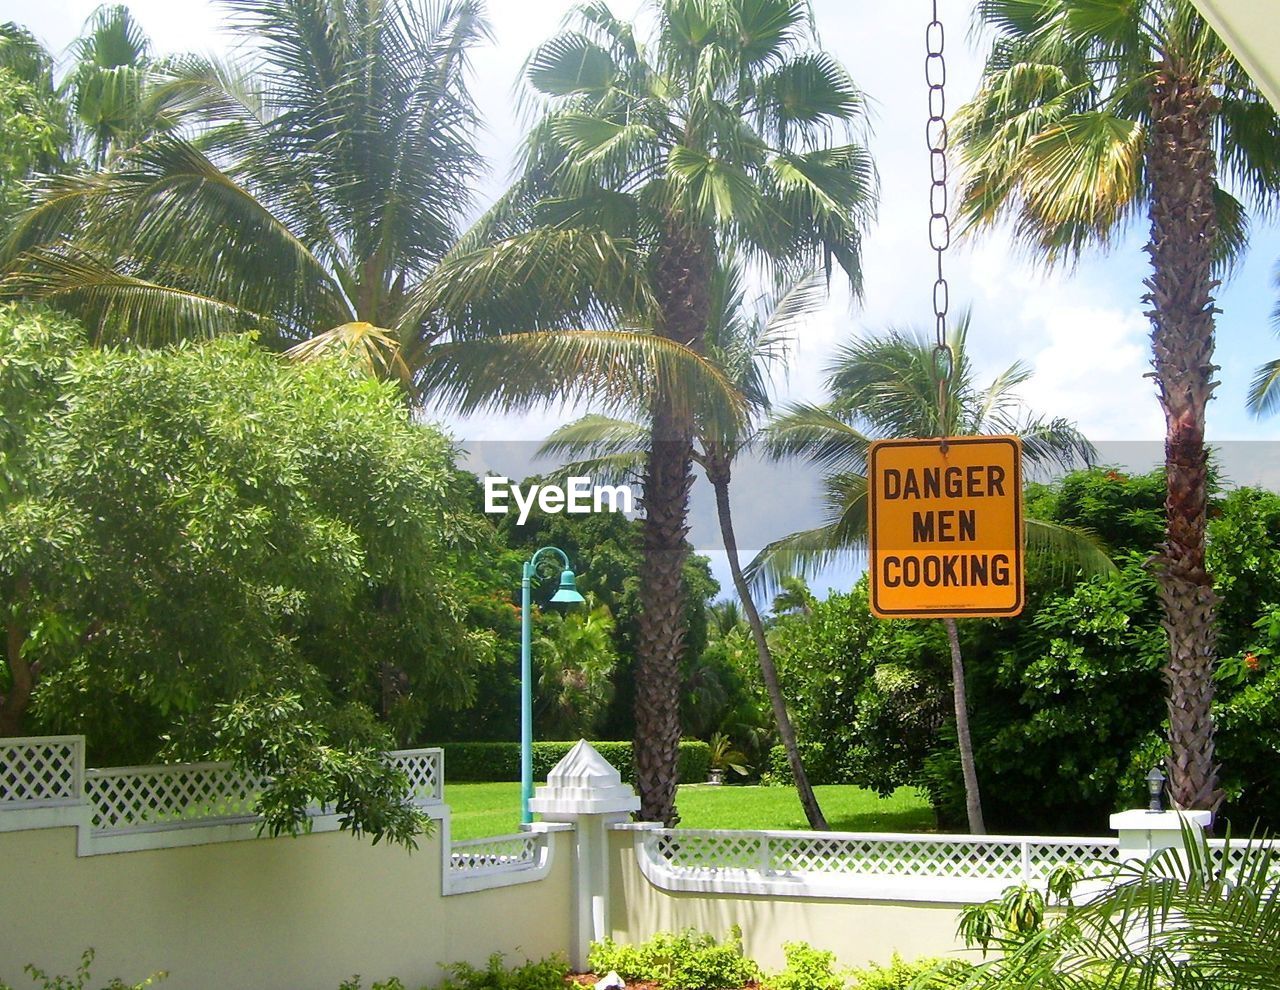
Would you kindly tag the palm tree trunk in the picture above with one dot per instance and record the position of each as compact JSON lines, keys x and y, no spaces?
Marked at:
{"x":972,"y":796}
{"x":1181,"y":168}
{"x":718,"y":473}
{"x":681,"y":278}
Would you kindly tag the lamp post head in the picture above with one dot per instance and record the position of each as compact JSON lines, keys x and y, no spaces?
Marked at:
{"x":567,"y":593}
{"x":1155,"y":790}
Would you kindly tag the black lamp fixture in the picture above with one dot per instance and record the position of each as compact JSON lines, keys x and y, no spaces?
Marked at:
{"x":1155,"y":790}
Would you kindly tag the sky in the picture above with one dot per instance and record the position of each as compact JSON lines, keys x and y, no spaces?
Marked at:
{"x":1081,"y":330}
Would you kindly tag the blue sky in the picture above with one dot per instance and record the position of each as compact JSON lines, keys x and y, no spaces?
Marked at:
{"x":1082,"y":330}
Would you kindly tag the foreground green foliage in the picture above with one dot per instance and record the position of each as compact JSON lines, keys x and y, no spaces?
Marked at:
{"x":208,"y":553}
{"x":540,"y":974}
{"x":688,"y":960}
{"x":920,"y":974}
{"x":807,"y":969}
{"x":1203,"y":918}
{"x":80,"y":979}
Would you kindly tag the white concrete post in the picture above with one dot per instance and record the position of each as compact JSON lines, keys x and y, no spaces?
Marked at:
{"x":1145,"y":833}
{"x":586,"y":790}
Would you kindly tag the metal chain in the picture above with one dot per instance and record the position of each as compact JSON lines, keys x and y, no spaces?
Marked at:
{"x":935,"y":74}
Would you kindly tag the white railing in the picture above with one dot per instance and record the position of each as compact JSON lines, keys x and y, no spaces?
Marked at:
{"x":134,"y":799}
{"x":1230,"y":854}
{"x":499,"y":854}
{"x":852,"y":864}
{"x":182,"y":795}
{"x":500,"y":860}
{"x":41,"y":771}
{"x":48,"y":772}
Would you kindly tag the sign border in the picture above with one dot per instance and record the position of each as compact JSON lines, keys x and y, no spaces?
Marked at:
{"x":946,"y":613}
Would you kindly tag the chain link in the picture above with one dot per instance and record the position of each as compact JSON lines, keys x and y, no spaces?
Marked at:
{"x":935,"y":74}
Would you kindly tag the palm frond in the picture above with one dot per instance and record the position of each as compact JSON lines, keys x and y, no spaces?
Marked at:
{"x":123,"y":307}
{"x":537,"y":280}
{"x":819,"y":434}
{"x":1264,"y":390}
{"x":594,"y":435}
{"x":372,"y":350}
{"x":1068,"y":550}
{"x":618,"y":370}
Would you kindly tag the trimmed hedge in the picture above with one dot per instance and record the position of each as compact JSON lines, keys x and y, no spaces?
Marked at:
{"x":818,"y":767}
{"x":482,"y":761}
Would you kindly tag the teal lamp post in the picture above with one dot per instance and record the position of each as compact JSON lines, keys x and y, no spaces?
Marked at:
{"x":568,"y":594}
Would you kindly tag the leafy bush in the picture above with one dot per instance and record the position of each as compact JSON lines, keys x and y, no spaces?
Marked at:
{"x":923,"y":974}
{"x":354,"y":984}
{"x":541,"y":974}
{"x":817,"y":766}
{"x":306,"y":549}
{"x":80,"y":979}
{"x":481,"y":761}
{"x":688,"y":960}
{"x":807,"y":969}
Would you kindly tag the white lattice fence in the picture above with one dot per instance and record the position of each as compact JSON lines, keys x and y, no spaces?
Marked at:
{"x":41,"y":772}
{"x":1230,"y":855}
{"x":708,"y":853}
{"x":425,"y":769}
{"x":500,"y":853}
{"x":127,"y":799}
{"x":133,"y":799}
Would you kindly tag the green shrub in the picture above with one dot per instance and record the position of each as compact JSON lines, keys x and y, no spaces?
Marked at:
{"x":80,"y":979}
{"x":688,"y":960}
{"x":541,"y":974}
{"x":899,"y":975}
{"x":807,"y":969}
{"x":818,"y":767}
{"x":354,"y":984}
{"x":487,"y":761}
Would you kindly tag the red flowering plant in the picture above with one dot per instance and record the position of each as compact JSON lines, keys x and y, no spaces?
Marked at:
{"x":1253,"y":664}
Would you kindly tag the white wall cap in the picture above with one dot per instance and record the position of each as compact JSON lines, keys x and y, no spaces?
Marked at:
{"x":584,"y":783}
{"x":1140,"y":820}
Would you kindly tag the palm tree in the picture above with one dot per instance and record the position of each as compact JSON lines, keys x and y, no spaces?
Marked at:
{"x":887,"y":386}
{"x":576,"y":660}
{"x":318,"y":204}
{"x":106,"y":86}
{"x":743,"y":345}
{"x":719,"y":131}
{"x":1090,"y":112}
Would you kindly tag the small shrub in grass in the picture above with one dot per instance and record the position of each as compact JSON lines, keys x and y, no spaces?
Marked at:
{"x":687,"y":960}
{"x":923,"y":974}
{"x":541,"y":974}
{"x":807,"y":969}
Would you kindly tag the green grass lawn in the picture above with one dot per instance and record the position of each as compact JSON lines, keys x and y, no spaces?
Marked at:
{"x":493,"y":809}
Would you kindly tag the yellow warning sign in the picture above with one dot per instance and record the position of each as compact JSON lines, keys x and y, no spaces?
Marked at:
{"x":946,"y":527}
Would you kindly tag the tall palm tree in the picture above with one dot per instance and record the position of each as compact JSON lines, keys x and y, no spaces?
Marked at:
{"x":724,"y":128}
{"x":887,"y":386}
{"x":743,"y":344}
{"x":1089,"y":113}
{"x":106,"y":85}
{"x":318,"y":204}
